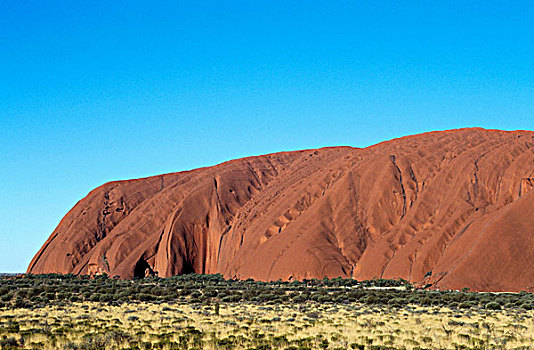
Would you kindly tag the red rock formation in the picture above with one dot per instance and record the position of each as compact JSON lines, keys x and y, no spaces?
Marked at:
{"x":456,"y":203}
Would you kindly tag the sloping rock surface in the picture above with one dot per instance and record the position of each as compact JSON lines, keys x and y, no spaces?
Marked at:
{"x":452,"y":208}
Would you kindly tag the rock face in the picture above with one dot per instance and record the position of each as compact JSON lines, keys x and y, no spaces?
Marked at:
{"x":453,"y":208}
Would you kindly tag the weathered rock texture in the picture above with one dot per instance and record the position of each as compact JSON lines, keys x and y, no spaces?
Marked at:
{"x":458,"y":204}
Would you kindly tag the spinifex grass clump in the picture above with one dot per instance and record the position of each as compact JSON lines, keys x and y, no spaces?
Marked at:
{"x":209,"y":312}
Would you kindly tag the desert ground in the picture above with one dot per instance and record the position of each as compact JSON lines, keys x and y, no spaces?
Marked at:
{"x":209,"y":312}
{"x":252,"y":326}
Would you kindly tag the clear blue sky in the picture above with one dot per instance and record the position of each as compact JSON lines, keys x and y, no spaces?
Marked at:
{"x":93,"y":91}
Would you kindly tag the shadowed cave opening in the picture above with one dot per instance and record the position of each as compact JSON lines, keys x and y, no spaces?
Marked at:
{"x":187,"y":268}
{"x":142,"y":269}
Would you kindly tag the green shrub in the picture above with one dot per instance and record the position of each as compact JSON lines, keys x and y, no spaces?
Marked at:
{"x":526,"y":306}
{"x":492,"y":305}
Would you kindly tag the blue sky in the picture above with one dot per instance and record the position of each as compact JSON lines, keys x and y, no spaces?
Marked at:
{"x":93,"y":91}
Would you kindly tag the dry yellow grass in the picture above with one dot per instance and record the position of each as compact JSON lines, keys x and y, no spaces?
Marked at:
{"x":247,"y":325}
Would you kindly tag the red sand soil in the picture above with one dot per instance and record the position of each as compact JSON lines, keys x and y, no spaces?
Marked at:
{"x":452,"y":208}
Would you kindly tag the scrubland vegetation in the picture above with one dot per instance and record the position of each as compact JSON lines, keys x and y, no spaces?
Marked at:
{"x":208,"y":312}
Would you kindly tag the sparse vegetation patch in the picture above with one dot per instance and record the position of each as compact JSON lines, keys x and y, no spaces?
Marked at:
{"x":209,"y":312}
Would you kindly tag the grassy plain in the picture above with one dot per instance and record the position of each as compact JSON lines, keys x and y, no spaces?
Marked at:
{"x":246,"y":325}
{"x":208,"y":312}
